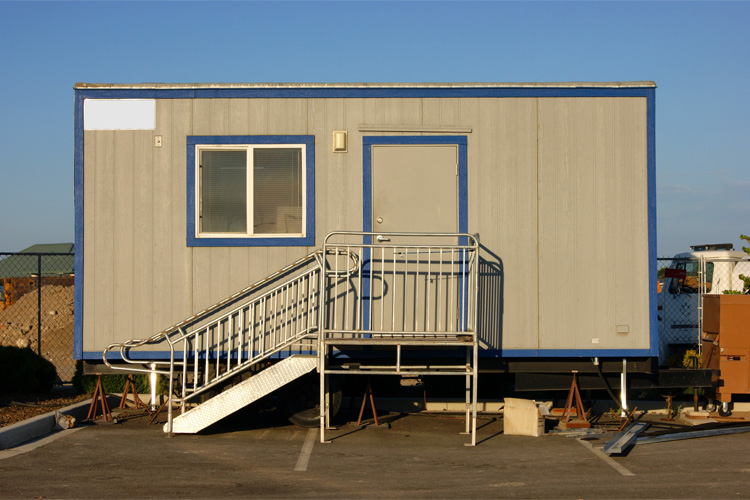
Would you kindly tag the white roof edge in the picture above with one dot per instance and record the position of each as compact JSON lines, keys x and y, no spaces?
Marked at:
{"x":182,"y":86}
{"x":715,"y":254}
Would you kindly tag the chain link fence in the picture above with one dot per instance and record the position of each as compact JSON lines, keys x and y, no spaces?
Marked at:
{"x":682,"y":284}
{"x":36,"y":306}
{"x":36,"y":303}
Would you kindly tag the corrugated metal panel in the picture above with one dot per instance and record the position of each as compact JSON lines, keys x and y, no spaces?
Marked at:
{"x":503,"y":188}
{"x":593,"y":228}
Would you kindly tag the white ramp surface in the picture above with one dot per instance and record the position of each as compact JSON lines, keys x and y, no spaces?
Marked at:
{"x":242,"y":394}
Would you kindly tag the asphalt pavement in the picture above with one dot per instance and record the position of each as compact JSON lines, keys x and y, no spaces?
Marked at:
{"x":259,"y":455}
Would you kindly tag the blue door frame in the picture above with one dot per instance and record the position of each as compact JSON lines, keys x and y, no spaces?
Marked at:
{"x":463,"y":203}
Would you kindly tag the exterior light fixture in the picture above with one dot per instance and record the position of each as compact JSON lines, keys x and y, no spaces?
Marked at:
{"x":339,"y":141}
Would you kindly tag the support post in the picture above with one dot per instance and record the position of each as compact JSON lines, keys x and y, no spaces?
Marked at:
{"x":39,"y":305}
{"x":475,"y":391}
{"x":322,"y":404}
{"x":467,"y":389}
{"x":152,"y":380}
{"x":624,"y":388}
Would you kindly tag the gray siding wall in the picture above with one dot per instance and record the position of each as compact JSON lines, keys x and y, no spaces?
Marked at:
{"x":557,"y":193}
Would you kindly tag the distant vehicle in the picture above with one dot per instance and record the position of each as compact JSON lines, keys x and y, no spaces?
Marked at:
{"x":705,"y":269}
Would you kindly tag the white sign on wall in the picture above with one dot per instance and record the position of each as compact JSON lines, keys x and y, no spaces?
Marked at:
{"x":119,"y":114}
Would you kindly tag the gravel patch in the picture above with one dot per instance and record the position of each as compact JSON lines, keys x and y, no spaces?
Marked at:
{"x":16,"y":408}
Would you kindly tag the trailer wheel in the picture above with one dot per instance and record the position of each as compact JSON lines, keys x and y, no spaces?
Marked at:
{"x":300,"y":400}
{"x":725,"y":409}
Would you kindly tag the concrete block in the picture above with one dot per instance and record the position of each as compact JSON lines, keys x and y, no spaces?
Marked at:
{"x":521,"y":417}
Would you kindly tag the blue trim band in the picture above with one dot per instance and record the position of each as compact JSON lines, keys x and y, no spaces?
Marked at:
{"x":306,"y":241}
{"x":78,"y":197}
{"x":508,"y":353}
{"x":652,"y":263}
{"x":569,"y":353}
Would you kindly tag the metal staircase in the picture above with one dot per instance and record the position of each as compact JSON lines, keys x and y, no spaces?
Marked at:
{"x":416,"y":292}
{"x":215,"y":347}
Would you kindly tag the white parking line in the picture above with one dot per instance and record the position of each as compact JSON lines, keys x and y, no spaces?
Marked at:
{"x":304,"y":455}
{"x":606,"y":458}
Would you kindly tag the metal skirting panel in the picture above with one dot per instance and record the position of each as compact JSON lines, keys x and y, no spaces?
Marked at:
{"x":242,"y":394}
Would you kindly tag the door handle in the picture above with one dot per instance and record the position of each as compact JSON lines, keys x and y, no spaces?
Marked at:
{"x":382,"y":238}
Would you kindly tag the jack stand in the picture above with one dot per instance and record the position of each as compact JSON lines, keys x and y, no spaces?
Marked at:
{"x":99,"y":396}
{"x":368,"y":392}
{"x":668,"y":399}
{"x":581,"y":421}
{"x":130,"y":386}
{"x":156,"y":414}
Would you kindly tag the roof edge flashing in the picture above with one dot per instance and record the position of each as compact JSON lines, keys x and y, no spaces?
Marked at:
{"x":187,"y":86}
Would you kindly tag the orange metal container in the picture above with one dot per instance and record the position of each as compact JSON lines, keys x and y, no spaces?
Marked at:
{"x":726,"y":322}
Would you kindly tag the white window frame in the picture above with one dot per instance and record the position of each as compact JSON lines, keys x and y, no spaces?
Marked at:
{"x":248,"y":148}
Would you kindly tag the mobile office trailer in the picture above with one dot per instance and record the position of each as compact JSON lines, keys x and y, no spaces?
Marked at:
{"x":187,"y":193}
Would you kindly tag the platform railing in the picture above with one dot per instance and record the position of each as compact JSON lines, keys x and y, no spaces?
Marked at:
{"x":410,"y":285}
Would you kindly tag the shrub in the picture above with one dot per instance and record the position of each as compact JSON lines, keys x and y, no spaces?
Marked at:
{"x":23,"y":370}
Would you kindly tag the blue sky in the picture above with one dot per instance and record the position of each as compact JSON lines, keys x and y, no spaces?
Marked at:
{"x":698,"y":53}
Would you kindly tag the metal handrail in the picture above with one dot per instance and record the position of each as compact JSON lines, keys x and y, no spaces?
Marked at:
{"x":124,"y":347}
{"x":264,"y":351}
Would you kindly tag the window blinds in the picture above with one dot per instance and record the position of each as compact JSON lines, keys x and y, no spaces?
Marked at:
{"x":223,"y":191}
{"x":277,"y":191}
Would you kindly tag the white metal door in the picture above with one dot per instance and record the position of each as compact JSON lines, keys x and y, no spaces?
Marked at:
{"x":414,"y":190}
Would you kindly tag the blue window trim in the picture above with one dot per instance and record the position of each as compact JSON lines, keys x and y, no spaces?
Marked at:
{"x":648,"y":92}
{"x":200,"y":140}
